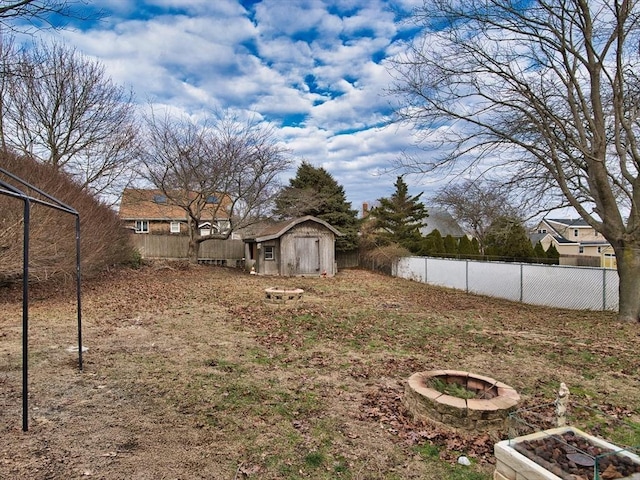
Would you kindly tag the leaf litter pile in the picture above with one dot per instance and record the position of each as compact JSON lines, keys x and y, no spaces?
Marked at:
{"x":189,"y":373}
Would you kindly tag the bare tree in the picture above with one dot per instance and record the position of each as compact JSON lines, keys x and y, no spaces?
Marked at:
{"x":62,"y":109}
{"x":33,"y":14}
{"x":223,"y":171}
{"x":476,"y":205}
{"x":546,"y":94}
{"x":8,"y":62}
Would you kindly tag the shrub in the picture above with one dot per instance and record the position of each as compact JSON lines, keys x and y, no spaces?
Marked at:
{"x":382,"y":258}
{"x":52,"y":245}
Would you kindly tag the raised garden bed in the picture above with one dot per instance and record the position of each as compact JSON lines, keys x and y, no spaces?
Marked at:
{"x":564,"y":453}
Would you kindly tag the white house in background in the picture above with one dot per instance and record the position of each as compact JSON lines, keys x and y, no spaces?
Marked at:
{"x":574,"y":238}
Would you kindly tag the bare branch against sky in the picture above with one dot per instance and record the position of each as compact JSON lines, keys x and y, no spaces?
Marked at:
{"x":32,"y":15}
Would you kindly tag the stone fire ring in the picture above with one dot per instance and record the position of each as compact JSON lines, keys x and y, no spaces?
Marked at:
{"x":283,"y":295}
{"x":471,"y":414}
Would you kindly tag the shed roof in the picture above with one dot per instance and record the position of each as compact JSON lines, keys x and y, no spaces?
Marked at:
{"x":276,"y":230}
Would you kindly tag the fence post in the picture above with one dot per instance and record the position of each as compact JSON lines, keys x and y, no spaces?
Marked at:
{"x":426,"y":269}
{"x":604,"y":289}
{"x":466,"y":274}
{"x":521,"y":282}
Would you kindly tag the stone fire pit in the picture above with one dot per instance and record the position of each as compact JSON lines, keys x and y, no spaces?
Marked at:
{"x":488,"y":409}
{"x":283,"y":295}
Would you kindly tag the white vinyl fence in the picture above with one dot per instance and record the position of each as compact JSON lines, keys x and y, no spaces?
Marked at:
{"x":578,"y":288}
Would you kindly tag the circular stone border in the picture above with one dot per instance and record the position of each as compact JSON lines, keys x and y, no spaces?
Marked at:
{"x":282,"y":295}
{"x":469,"y":414}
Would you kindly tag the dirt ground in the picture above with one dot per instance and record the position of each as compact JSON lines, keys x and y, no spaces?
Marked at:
{"x":190,"y":374}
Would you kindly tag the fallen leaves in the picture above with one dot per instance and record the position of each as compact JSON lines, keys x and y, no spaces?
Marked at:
{"x":187,"y":359}
{"x":383,"y":404}
{"x":245,"y":471}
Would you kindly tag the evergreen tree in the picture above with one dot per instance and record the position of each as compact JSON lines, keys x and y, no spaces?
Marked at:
{"x":475,"y":245}
{"x":508,"y":238}
{"x":450,"y":246}
{"x":434,"y":243}
{"x":465,"y":247}
{"x":314,"y":191}
{"x":539,"y":251}
{"x":400,"y":217}
{"x":552,"y":253}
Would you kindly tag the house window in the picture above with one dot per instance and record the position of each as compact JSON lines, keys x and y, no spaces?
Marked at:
{"x":581,"y":249}
{"x":212,"y":199}
{"x":142,"y":226}
{"x":575,"y":232}
{"x":542,"y":230}
{"x":269,"y":253}
{"x":160,"y":198}
{"x":207,"y":229}
{"x":599,"y":249}
{"x":175,"y":227}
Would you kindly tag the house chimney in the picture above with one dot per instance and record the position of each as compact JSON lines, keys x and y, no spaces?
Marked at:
{"x":365,"y":209}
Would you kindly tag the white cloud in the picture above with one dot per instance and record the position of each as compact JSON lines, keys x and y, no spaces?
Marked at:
{"x":317,"y":60}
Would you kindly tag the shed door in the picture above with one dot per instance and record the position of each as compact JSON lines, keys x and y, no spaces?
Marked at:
{"x":307,"y":255}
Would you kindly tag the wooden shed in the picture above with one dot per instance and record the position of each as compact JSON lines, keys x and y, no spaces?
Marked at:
{"x":304,"y":247}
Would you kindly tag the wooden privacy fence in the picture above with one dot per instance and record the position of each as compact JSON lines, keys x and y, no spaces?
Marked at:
{"x":227,"y":252}
{"x":348,"y":259}
{"x":176,"y":246}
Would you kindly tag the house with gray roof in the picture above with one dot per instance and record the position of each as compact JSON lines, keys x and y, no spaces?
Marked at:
{"x":574,"y":239}
{"x":441,"y":220}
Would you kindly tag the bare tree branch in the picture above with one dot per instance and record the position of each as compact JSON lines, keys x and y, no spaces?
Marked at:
{"x":542,"y":93}
{"x":61,"y":108}
{"x":476,"y":205}
{"x":28,"y":15}
{"x":224,"y":171}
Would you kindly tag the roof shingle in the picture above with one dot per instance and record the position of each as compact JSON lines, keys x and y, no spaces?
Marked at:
{"x":139,"y":204}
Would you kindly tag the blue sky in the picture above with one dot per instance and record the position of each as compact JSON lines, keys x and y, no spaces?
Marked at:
{"x":316,"y":69}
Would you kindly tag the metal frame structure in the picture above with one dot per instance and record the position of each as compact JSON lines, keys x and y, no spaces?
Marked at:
{"x":18,"y":192}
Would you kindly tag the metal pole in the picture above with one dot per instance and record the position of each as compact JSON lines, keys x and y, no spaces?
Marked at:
{"x":7,"y":189}
{"x":466,"y":273}
{"x":521,"y":283}
{"x":78,"y":291}
{"x":426,"y":270}
{"x":604,"y":289}
{"x":25,"y":317}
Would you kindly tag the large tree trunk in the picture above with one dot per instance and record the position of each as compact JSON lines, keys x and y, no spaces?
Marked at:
{"x":194,"y":245}
{"x":628,"y":259}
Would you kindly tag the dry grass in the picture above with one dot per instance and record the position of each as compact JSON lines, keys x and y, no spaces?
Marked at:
{"x":189,"y":374}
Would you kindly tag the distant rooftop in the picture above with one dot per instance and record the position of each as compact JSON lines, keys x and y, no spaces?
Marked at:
{"x":441,"y":220}
{"x":569,"y":222}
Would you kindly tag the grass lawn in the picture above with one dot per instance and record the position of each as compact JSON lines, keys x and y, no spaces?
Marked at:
{"x":191,"y":375}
